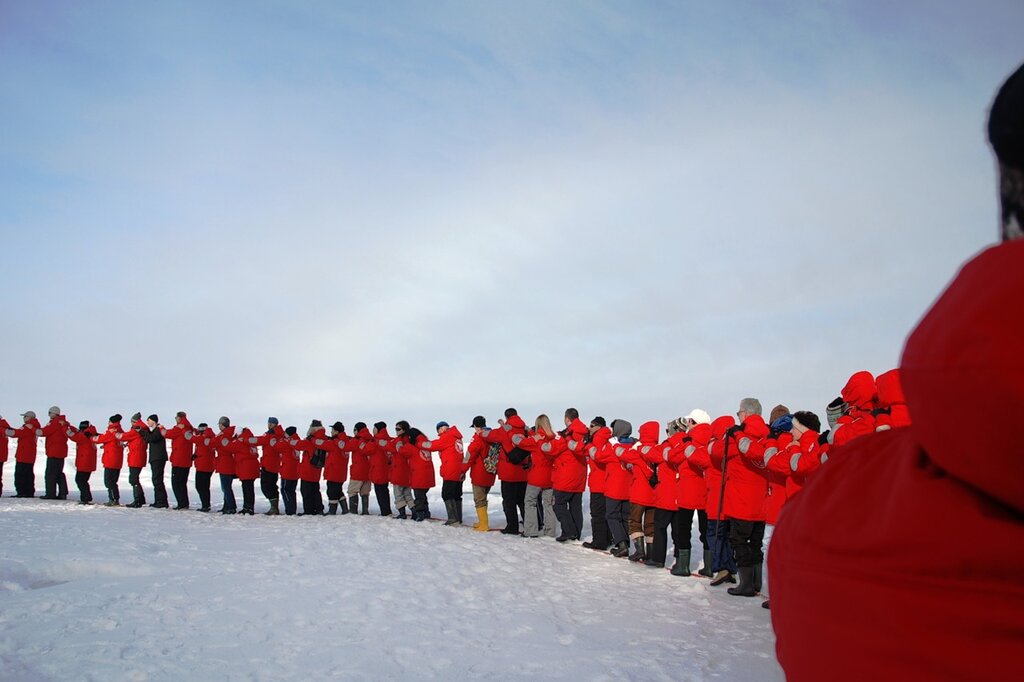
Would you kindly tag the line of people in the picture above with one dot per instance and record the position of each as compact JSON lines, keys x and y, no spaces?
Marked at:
{"x":733,"y":474}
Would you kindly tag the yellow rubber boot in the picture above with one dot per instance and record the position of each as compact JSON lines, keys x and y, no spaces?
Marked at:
{"x":481,"y":525}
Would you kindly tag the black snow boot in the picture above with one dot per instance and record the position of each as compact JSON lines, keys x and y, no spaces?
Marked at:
{"x":353,"y":504}
{"x":757,"y":577}
{"x":366,"y":505}
{"x":764,"y":605}
{"x":274,"y":508}
{"x":332,"y":508}
{"x":458,"y":511}
{"x":682,"y":564}
{"x":650,"y":561}
{"x":401,"y":513}
{"x":449,"y":507}
{"x":638,"y":550}
{"x":620,"y":550}
{"x":343,"y":503}
{"x":706,"y":571}
{"x":746,"y":586}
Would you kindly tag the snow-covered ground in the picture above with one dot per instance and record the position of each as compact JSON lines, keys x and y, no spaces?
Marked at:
{"x":94,"y":593}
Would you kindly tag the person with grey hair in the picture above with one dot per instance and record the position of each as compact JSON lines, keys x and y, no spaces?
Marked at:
{"x":25,"y":454}
{"x":56,"y":447}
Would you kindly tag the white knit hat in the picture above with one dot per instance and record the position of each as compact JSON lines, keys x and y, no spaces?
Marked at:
{"x":699,"y":416}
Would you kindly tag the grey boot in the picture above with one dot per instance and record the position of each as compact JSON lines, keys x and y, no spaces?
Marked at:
{"x":274,"y":508}
{"x":706,"y":571}
{"x":366,"y":505}
{"x":449,"y":507}
{"x":757,"y":577}
{"x":353,"y":504}
{"x":332,"y":508}
{"x":746,"y":586}
{"x":458,"y":510}
{"x":682,"y":564}
{"x":344,"y":505}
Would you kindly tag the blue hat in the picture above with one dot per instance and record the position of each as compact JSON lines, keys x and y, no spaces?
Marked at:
{"x":273,"y":420}
{"x":440,"y":424}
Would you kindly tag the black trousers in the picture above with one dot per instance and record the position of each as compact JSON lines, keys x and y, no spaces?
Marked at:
{"x":159,"y":491}
{"x":179,"y":484}
{"x":599,"y":522}
{"x":24,"y":479}
{"x":82,"y":481}
{"x":138,"y":495}
{"x":288,"y":495}
{"x":569,"y":510}
{"x":383,"y":498}
{"x":312,"y":500}
{"x":747,"y":540}
{"x":203,"y":487}
{"x":682,"y":528}
{"x":513,"y":496}
{"x":54,"y":480}
{"x":419,"y":496}
{"x":663,"y":518}
{"x":110,"y":477}
{"x":617,"y":517}
{"x":268,"y":484}
{"x":249,"y":494}
{"x":452,"y":490}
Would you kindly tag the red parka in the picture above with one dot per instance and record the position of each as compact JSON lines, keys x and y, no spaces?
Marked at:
{"x":379,"y":461}
{"x":203,"y":451}
{"x":478,"y":474}
{"x":861,"y":537}
{"x":507,"y":471}
{"x":247,"y":456}
{"x":691,"y":490}
{"x":56,"y":434}
{"x":225,"y":456}
{"x":181,"y":447}
{"x":113,"y":448}
{"x":640,"y":490}
{"x":421,"y":464}
{"x":710,"y":457}
{"x":27,"y":435}
{"x":539,"y":473}
{"x":308,"y":448}
{"x":137,"y":447}
{"x":569,"y":470}
{"x":860,"y":394}
{"x":618,"y":476}
{"x":289,"y":458}
{"x":891,"y":400}
{"x":666,"y":491}
{"x":596,"y":475}
{"x":85,"y":448}
{"x":361,"y":456}
{"x":449,"y":444}
{"x":336,"y":464}
{"x":745,"y":478}
{"x":4,"y":427}
{"x":776,"y":495}
{"x":270,"y":456}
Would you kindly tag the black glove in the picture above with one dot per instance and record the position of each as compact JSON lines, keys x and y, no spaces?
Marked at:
{"x":823,"y":438}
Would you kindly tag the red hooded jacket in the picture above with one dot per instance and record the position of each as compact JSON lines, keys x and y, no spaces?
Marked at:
{"x":596,"y":475}
{"x":569,"y":469}
{"x":225,"y":456}
{"x":745,"y":477}
{"x":336,"y":464}
{"x":449,"y":444}
{"x":860,"y":394}
{"x":507,"y":471}
{"x":380,"y":466}
{"x":137,"y":447}
{"x":421,"y":464}
{"x":539,"y":473}
{"x":861,"y":537}
{"x":478,"y":474}
{"x":289,"y":458}
{"x":4,"y":426}
{"x":691,"y":490}
{"x":270,"y":457}
{"x":28,"y":444}
{"x":56,"y":434}
{"x":203,"y":451}
{"x":247,"y":456}
{"x":113,"y":448}
{"x":308,"y":448}
{"x":666,"y":491}
{"x":181,"y":447}
{"x":892,"y":401}
{"x":640,"y":491}
{"x":361,"y":456}
{"x":85,"y":448}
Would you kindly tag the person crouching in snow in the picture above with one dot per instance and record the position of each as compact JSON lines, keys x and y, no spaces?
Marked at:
{"x":449,"y":444}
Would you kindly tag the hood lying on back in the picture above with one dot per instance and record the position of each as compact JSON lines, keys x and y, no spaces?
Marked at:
{"x":967,"y":352}
{"x":860,"y":390}
{"x":650,"y":432}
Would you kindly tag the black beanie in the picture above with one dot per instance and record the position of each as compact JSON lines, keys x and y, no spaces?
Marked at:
{"x":116,"y":419}
{"x":338,"y":426}
{"x":808,"y":420}
{"x":360,"y":426}
{"x":380,"y":426}
{"x":153,"y":418}
{"x":291,"y":430}
{"x":82,"y":426}
{"x":316,"y":423}
{"x":1006,"y":121}
{"x":599,"y":421}
{"x":479,"y":422}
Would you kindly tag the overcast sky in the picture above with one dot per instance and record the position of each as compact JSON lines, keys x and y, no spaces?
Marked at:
{"x":430,"y":210}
